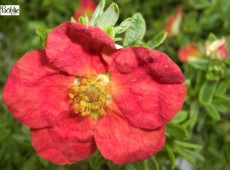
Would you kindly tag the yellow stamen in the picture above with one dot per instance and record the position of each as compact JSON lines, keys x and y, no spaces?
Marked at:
{"x":91,"y":95}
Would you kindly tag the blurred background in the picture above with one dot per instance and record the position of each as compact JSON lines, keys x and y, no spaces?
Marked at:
{"x":201,"y":126}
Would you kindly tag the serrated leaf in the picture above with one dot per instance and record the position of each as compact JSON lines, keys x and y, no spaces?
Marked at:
{"x":207,"y":91}
{"x":176,"y":131}
{"x":171,"y":156}
{"x":110,"y":31}
{"x":97,"y":13}
{"x":123,"y":26}
{"x":180,"y":116}
{"x":42,"y":32}
{"x":212,"y":112}
{"x":157,"y":40}
{"x":136,"y":30}
{"x":109,"y":17}
{"x":187,"y":145}
{"x":184,"y":154}
{"x":201,"y":64}
{"x":83,"y":20}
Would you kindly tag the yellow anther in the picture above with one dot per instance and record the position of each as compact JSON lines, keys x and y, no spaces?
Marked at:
{"x":91,"y":95}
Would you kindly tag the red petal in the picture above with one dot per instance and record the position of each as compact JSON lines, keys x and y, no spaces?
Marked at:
{"x":69,"y":142}
{"x":35,"y":93}
{"x":146,"y":85}
{"x":76,"y":49}
{"x":121,"y":142}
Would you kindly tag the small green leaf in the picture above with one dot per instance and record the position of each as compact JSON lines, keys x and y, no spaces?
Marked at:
{"x":97,"y":13}
{"x":157,"y":40}
{"x":171,"y":156}
{"x":180,"y":116}
{"x":110,"y":31}
{"x":136,"y":30}
{"x":123,"y":26}
{"x":109,"y":17}
{"x":117,"y":39}
{"x":42,"y":32}
{"x":187,"y":145}
{"x":207,"y":91}
{"x":137,"y":43}
{"x":176,"y":131}
{"x":212,"y":37}
{"x":191,"y":121}
{"x":227,"y":61}
{"x":83,"y":20}
{"x":221,"y":88}
{"x":201,"y":64}
{"x":212,"y":112}
{"x":153,"y":164}
{"x":184,"y":154}
{"x":72,"y":19}
{"x":195,"y":154}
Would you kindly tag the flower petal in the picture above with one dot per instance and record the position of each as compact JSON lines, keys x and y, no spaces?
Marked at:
{"x":121,"y":142}
{"x":76,"y":49}
{"x":69,"y":142}
{"x":35,"y":93}
{"x":146,"y":85}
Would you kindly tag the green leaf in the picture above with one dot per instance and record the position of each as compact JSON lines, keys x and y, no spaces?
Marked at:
{"x":195,"y":154}
{"x":30,"y":163}
{"x":227,"y":61}
{"x":110,"y":31}
{"x":97,"y":13}
{"x":184,"y":154}
{"x":42,"y":32}
{"x":171,"y":156}
{"x":212,"y":37}
{"x":212,"y":112}
{"x":83,"y":20}
{"x":157,"y":40}
{"x":138,"y":43}
{"x":180,"y":116}
{"x":201,"y":64}
{"x":176,"y":131}
{"x":136,"y":30}
{"x":153,"y":164}
{"x":221,"y":88}
{"x":109,"y":17}
{"x":191,"y":121}
{"x":72,"y":19}
{"x":123,"y":26}
{"x":187,"y":145}
{"x":207,"y":91}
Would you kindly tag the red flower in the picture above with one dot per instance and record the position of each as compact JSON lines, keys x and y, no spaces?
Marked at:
{"x":64,"y":94}
{"x":173,"y":24}
{"x":189,"y":52}
{"x":87,"y":7}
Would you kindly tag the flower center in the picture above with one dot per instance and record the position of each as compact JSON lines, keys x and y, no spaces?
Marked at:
{"x":91,"y":95}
